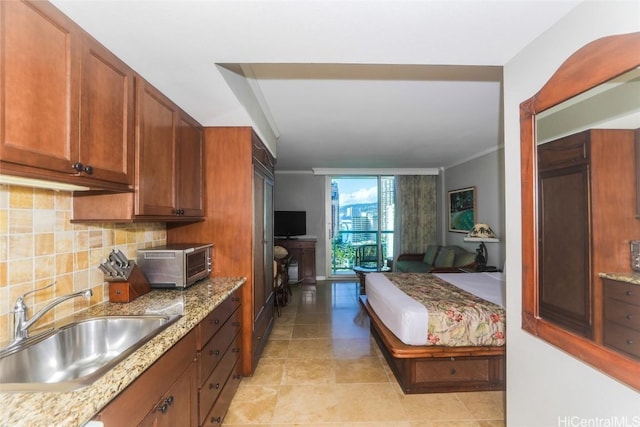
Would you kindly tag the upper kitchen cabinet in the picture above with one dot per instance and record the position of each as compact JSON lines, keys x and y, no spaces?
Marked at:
{"x":66,"y":102}
{"x":169,"y":145}
{"x":190,"y":180}
{"x":106,"y":114}
{"x":168,"y":168}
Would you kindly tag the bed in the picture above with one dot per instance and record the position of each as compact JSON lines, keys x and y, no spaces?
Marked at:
{"x":439,"y":332}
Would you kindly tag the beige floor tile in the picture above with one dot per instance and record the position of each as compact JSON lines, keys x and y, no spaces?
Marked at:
{"x":252,"y":404}
{"x":369,"y":402}
{"x":312,"y":318}
{"x":363,"y":370}
{"x":310,"y":349}
{"x":318,"y":330}
{"x":311,"y":371}
{"x":306,"y":404}
{"x":281,"y":332}
{"x":354,"y":348}
{"x":268,"y":372}
{"x":276,"y":349}
{"x":435,"y":406}
{"x":488,"y":405}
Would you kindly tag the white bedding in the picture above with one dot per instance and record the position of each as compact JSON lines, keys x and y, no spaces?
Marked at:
{"x":409,"y":319}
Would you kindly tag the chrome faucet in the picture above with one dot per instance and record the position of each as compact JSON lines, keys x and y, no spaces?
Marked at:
{"x":22,"y":325}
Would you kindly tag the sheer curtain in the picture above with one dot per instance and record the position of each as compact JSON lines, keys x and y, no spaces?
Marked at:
{"x":416,"y":213}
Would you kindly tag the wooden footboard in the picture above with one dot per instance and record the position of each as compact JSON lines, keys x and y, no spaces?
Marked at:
{"x":437,"y":369}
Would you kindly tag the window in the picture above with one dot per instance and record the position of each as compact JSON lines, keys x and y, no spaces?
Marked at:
{"x":362,"y":222}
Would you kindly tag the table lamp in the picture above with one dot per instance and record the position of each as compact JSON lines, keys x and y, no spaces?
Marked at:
{"x":481,"y":233}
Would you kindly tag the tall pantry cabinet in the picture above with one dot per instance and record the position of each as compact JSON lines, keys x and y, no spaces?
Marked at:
{"x":239,"y":222}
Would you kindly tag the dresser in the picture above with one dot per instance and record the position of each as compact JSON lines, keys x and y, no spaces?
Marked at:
{"x":622,"y":316}
{"x":302,"y":251}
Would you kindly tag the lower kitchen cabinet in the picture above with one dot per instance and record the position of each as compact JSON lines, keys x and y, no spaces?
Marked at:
{"x":164,"y":395}
{"x":219,"y":351}
{"x":193,"y":383}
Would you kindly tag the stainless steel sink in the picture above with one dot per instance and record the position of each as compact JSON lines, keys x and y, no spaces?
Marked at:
{"x":77,"y":354}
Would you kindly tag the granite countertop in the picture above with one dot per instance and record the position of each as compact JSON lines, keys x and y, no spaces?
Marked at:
{"x":77,"y":407}
{"x":627,"y":277}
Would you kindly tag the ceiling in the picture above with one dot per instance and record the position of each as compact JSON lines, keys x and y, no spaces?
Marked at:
{"x":331,"y":84}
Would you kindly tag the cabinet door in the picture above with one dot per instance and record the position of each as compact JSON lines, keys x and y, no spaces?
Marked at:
{"x":308,"y":265}
{"x":190,"y":191}
{"x":176,"y":408}
{"x":156,"y":172}
{"x":565,"y":290}
{"x":106,"y":114}
{"x":259,"y":262}
{"x":39,"y":88}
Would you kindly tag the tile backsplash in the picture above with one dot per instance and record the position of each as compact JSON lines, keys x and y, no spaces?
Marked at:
{"x":39,"y":245}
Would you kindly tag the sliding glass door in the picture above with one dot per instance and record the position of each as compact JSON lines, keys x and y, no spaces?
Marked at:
{"x":362,"y":218}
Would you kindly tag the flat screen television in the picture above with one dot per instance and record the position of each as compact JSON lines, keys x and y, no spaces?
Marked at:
{"x":289,"y":223}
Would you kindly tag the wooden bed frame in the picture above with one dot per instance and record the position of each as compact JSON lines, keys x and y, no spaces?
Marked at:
{"x":437,"y":369}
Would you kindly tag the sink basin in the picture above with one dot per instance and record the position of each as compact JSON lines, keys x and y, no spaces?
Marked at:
{"x":77,"y":354}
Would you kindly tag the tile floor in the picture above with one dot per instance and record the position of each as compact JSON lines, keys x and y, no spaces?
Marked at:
{"x":321,"y":367}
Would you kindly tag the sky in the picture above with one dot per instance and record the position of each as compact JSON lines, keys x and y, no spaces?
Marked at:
{"x":357,"y":190}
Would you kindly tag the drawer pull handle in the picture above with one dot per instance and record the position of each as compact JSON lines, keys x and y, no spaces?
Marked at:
{"x":216,"y":322}
{"x":630,"y":342}
{"x":216,"y":419}
{"x":212,"y":386}
{"x":165,"y":406}
{"x":211,"y":352}
{"x":237,"y":377}
{"x":629,"y":316}
{"x":452,"y":371}
{"x":629,"y":293}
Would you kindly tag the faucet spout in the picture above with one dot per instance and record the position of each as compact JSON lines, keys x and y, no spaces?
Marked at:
{"x":22,"y":325}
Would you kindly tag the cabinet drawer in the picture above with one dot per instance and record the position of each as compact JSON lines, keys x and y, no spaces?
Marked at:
{"x":215,"y":349}
{"x":454,"y":370}
{"x":624,"y":339}
{"x":214,"y":321}
{"x":622,"y":291}
{"x":262,"y":327}
{"x":627,"y":315}
{"x":213,"y":386}
{"x":219,"y":410}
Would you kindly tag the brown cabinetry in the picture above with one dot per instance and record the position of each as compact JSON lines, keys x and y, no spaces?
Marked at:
{"x":622,"y":316}
{"x":164,"y":395}
{"x":304,"y":252}
{"x":169,"y":173}
{"x":239,"y":221}
{"x":64,"y":96}
{"x":193,"y":382}
{"x":219,"y":352}
{"x":586,"y":201}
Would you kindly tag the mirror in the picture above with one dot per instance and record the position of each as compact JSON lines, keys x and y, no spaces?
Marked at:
{"x":571,"y":198}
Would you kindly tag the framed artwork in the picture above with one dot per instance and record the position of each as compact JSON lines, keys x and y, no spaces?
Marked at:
{"x":462,"y":209}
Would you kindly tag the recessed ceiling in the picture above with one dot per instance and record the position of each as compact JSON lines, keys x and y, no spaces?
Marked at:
{"x":340,"y":83}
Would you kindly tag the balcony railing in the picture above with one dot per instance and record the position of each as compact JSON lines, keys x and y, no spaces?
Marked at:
{"x":360,"y":248}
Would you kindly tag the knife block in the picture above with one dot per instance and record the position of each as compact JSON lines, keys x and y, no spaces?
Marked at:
{"x":127,"y":290}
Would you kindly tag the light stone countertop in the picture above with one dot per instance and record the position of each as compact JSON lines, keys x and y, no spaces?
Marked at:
{"x":75,"y":408}
{"x":628,"y":277}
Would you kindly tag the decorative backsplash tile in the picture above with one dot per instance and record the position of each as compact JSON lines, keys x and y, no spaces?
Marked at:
{"x":39,"y":245}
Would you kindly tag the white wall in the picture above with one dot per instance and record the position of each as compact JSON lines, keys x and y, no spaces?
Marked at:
{"x":545,"y":385}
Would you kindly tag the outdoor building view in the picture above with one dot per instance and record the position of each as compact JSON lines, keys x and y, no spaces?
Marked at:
{"x":362,"y":223}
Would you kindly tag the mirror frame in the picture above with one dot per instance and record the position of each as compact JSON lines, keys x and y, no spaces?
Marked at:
{"x":590,"y":66}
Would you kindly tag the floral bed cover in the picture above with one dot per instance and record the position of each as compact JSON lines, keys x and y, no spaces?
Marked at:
{"x":456,"y":318}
